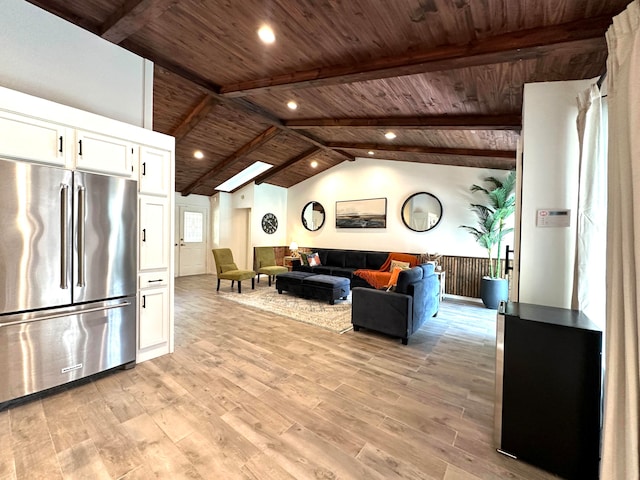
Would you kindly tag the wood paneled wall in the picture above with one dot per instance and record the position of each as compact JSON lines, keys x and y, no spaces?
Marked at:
{"x":464,"y":274}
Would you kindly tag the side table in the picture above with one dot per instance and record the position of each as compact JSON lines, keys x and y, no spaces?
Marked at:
{"x":288,"y":260}
{"x":442,"y":277}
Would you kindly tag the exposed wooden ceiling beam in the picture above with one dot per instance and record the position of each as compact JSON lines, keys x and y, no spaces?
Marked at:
{"x":299,"y":158}
{"x":238,"y":103}
{"x":131,"y":17}
{"x":157,"y":7}
{"x":509,"y":47}
{"x":171,"y":67}
{"x":442,"y":122}
{"x":242,"y":152}
{"x":194,"y":117}
{"x":472,"y":152}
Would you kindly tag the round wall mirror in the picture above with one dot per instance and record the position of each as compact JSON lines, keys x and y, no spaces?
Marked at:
{"x":313,"y":216}
{"x":421,"y":212}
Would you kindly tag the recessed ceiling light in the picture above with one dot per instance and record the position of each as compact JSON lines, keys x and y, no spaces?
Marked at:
{"x":292,"y":105}
{"x":314,"y":164}
{"x":266,"y":34}
{"x":198,"y":154}
{"x":390,"y":135}
{"x":371,"y":152}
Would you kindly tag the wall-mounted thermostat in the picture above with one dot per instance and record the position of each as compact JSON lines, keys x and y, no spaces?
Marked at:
{"x":553,"y":218}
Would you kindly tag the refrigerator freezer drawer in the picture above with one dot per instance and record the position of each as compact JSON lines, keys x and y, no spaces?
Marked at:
{"x":49,"y":348}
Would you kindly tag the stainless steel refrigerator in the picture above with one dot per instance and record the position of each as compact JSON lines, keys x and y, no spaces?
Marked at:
{"x":67,"y":276}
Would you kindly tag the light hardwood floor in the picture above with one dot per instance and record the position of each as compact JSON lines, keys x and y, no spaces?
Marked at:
{"x":249,"y":395}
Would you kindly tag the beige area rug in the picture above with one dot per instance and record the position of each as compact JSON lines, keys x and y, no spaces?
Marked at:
{"x":336,"y":318}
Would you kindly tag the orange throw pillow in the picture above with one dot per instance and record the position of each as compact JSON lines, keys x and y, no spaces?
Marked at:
{"x":393,"y":281}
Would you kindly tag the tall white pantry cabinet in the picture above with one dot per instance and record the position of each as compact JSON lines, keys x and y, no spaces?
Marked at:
{"x":37,"y":130}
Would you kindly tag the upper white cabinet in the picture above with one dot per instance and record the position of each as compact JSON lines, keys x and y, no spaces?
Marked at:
{"x":154,"y":171}
{"x":105,"y":154}
{"x":26,"y":138}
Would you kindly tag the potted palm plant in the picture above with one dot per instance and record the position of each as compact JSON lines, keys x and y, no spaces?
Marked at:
{"x":490,"y":230}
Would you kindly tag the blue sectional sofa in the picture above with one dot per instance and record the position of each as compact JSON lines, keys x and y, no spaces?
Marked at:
{"x":402,"y":312}
{"x":342,"y":263}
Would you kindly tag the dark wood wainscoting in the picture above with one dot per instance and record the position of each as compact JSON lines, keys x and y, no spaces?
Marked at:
{"x":464,"y":274}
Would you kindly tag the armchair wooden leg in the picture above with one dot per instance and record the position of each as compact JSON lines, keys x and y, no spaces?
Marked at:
{"x":253,"y":284}
{"x":232,"y":282}
{"x":218,"y":289}
{"x":239,"y":286}
{"x":258,"y":278}
{"x":269,"y":280}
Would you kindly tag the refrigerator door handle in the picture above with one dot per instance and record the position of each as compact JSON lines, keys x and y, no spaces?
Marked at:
{"x":81,"y":235}
{"x":64,"y":236}
{"x":62,"y":314}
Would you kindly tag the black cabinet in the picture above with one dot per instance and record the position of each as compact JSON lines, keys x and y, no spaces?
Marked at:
{"x":548,"y":389}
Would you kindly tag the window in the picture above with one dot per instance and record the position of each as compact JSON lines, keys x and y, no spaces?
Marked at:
{"x":193,"y":227}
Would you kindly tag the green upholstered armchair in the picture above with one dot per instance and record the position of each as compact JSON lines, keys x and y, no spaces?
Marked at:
{"x":226,"y":269}
{"x":266,"y":263}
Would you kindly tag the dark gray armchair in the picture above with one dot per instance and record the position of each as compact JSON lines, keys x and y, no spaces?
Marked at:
{"x":402,"y":312}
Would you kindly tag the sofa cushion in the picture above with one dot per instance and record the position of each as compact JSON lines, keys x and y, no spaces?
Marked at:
{"x":343,"y":272}
{"x":323,"y":270}
{"x":323,"y":255}
{"x":407,"y":278}
{"x":227,"y":267}
{"x":428,"y":268}
{"x":375,"y":260}
{"x":355,"y":259}
{"x":335,"y":258}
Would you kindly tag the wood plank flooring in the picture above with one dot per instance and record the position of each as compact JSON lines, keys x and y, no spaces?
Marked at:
{"x":250,"y":395}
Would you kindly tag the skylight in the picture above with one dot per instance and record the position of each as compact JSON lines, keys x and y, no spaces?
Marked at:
{"x":240,"y":178}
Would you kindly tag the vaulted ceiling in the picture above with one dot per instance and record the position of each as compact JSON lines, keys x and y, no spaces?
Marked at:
{"x":446,"y":76}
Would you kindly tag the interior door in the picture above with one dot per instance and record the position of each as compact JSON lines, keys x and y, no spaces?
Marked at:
{"x":192,"y":240}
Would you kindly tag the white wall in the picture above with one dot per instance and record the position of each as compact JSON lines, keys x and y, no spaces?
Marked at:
{"x":550,"y":180}
{"x":270,"y":199}
{"x":237,"y":220}
{"x":371,"y":178}
{"x":45,"y":56}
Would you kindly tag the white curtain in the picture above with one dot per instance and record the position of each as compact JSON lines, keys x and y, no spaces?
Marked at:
{"x":621,"y":435}
{"x":591,"y":240}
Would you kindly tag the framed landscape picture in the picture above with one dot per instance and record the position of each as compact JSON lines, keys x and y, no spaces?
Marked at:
{"x":368,"y":213}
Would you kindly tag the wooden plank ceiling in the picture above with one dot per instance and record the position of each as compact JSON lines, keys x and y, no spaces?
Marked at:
{"x":446,"y":76}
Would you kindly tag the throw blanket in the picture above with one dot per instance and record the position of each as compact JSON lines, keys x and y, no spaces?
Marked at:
{"x":380,"y":278}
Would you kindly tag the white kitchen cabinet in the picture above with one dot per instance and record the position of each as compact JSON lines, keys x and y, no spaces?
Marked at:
{"x":26,"y":138}
{"x":155,"y":232}
{"x":155,"y":279}
{"x":153,"y":331}
{"x":37,"y":130}
{"x":154,"y":171}
{"x":104,"y":154}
